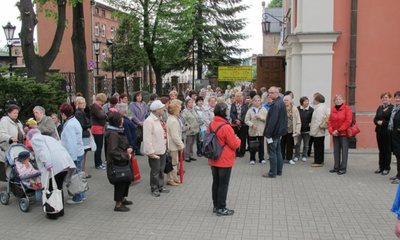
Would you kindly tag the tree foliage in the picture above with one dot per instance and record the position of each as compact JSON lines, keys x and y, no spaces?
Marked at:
{"x":275,"y":4}
{"x":27,"y":94}
{"x":164,"y":26}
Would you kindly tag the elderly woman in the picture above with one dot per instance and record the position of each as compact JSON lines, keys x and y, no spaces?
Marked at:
{"x":129,"y":127}
{"x":139,"y":111}
{"x":381,"y":122}
{"x":98,"y":121}
{"x":208,"y":114}
{"x":80,"y":115}
{"x":45,"y":124}
{"x":11,"y":129}
{"x":71,"y":139}
{"x":118,"y":153}
{"x":316,"y":132}
{"x":56,"y":121}
{"x":51,"y":155}
{"x":199,"y":110}
{"x":294,"y":127}
{"x":165,"y":101}
{"x":173,"y":95}
{"x":394,"y":128}
{"x":339,"y":121}
{"x":175,"y":143}
{"x":155,"y":142}
{"x":192,"y":122}
{"x":255,"y":119}
{"x":306,"y":113}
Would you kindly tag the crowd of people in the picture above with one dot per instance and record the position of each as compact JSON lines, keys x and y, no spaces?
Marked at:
{"x":269,"y":123}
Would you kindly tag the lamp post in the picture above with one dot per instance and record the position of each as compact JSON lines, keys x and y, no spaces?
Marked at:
{"x":9,"y":32}
{"x":266,"y":25}
{"x":110,"y":44}
{"x":97,"y":48}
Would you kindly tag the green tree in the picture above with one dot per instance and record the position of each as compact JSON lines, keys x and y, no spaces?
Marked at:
{"x":165,"y":27}
{"x":275,"y":4}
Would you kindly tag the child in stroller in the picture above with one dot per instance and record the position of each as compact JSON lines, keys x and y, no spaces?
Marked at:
{"x":25,"y":168}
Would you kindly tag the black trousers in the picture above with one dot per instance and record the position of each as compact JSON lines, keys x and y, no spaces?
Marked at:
{"x":242,"y":133}
{"x":59,"y":178}
{"x":319,"y":152}
{"x":221,"y":177}
{"x":385,"y":150}
{"x":287,"y":144}
{"x":121,"y":190}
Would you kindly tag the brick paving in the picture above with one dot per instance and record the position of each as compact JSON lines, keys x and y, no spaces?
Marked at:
{"x":304,"y":203}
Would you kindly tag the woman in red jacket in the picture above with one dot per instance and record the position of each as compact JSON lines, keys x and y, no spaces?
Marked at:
{"x":339,"y":121}
{"x":222,"y":167}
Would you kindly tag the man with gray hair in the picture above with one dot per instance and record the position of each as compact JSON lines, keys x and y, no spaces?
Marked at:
{"x":275,"y":127}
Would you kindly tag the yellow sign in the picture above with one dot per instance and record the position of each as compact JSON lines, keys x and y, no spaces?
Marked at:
{"x":234,"y":73}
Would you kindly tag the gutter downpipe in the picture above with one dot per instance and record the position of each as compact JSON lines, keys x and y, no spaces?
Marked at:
{"x":353,"y":65}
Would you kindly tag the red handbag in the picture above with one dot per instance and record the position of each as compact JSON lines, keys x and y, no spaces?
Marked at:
{"x":353,"y":129}
{"x":135,"y":167}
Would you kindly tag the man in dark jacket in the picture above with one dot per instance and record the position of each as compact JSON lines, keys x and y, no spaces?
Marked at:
{"x":275,"y":127}
{"x":238,"y":114}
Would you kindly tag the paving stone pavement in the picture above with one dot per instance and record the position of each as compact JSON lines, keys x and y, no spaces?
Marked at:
{"x":304,"y":203}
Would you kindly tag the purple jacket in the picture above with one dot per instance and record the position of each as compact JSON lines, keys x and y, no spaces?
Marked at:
{"x":138,"y":111}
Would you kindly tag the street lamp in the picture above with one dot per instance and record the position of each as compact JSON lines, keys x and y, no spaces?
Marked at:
{"x":97,"y":48}
{"x":109,"y":44}
{"x":9,"y":32}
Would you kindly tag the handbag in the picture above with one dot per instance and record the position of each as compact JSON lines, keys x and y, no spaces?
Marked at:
{"x":324,"y":124}
{"x":139,"y":133}
{"x":52,"y":201}
{"x":353,"y":129}
{"x":93,"y":146}
{"x":168,"y":164}
{"x":254,"y":145}
{"x":77,"y":184}
{"x":121,"y":173}
{"x":135,"y":167}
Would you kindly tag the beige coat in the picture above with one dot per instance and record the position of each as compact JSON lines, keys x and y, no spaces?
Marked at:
{"x":318,"y":116}
{"x":192,"y":121}
{"x":9,"y":129}
{"x":153,"y":136}
{"x":174,"y":134}
{"x":251,"y":120}
{"x":296,"y":123}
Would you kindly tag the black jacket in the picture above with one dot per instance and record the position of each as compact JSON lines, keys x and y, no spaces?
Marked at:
{"x":276,"y":124}
{"x":396,"y":134}
{"x":383,"y":116}
{"x":234,"y":113}
{"x":305,"y":116}
{"x":84,"y":121}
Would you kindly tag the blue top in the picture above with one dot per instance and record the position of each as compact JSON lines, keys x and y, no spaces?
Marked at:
{"x":71,"y":138}
{"x":396,"y":204}
{"x":130,"y":131}
{"x":266,"y":105}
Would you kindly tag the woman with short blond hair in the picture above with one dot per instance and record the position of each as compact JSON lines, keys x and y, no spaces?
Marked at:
{"x":98,"y":121}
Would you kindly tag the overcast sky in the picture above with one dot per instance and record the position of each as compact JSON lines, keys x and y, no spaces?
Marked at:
{"x":9,"y":12}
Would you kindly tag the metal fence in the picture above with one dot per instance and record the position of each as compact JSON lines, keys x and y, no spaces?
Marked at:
{"x":69,"y":84}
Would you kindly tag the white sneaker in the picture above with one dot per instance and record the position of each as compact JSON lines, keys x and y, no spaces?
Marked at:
{"x":295,"y":159}
{"x":291,"y":162}
{"x":303,"y":159}
{"x":70,"y":201}
{"x":263,"y":162}
{"x":252,"y":162}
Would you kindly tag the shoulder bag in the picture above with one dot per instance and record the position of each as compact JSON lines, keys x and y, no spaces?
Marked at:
{"x":353,"y":129}
{"x":77,"y":184}
{"x":324,"y":124}
{"x":52,"y":201}
{"x":121,"y":174}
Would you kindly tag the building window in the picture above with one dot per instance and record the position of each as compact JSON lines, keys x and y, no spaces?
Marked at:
{"x":103,"y":53}
{"x":103,"y":12}
{"x":96,"y":29}
{"x":103,"y":30}
{"x":96,"y":10}
{"x":16,"y":52}
{"x":112,"y":32}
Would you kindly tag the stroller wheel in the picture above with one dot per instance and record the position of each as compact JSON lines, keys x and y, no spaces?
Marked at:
{"x":24,"y":204}
{"x":4,"y":198}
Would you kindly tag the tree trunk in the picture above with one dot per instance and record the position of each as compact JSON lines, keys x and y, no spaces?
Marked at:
{"x":200,"y":41}
{"x":157,"y":72}
{"x":79,"y":50}
{"x":126,"y":85}
{"x":37,"y":66}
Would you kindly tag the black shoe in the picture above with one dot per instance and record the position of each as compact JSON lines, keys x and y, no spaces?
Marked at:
{"x":333,"y":170}
{"x":155,"y":193}
{"x":163,"y":190}
{"x":193,"y":159}
{"x":385,"y":172}
{"x":378,"y":171}
{"x":179,"y":172}
{"x":392,"y":178}
{"x":127,"y":202}
{"x":121,"y":208}
{"x":341,"y":172}
{"x":188,"y":160}
{"x":225,"y":212}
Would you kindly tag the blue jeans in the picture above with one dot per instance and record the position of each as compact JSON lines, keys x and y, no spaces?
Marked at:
{"x":98,"y":139}
{"x":199,"y":145}
{"x":275,"y":157}
{"x":80,"y":196}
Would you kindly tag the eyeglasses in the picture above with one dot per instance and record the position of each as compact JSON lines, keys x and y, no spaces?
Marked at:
{"x":271,"y":92}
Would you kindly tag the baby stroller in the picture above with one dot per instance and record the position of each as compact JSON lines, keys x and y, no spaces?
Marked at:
{"x":15,"y":184}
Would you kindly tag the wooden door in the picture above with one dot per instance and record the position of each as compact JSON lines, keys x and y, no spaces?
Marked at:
{"x":270,"y":72}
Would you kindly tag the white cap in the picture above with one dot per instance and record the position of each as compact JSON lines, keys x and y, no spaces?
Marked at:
{"x":156,"y":105}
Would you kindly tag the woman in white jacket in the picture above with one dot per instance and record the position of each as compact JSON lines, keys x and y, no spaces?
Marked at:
{"x":320,"y":111}
{"x":289,"y":140}
{"x":11,"y":129}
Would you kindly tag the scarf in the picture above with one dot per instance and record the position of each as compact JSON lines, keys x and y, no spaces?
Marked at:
{"x":394,"y":112}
